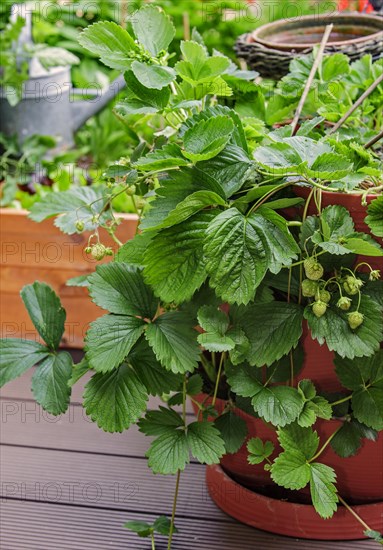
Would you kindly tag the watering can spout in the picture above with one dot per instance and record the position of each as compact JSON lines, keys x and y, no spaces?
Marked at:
{"x":84,"y":109}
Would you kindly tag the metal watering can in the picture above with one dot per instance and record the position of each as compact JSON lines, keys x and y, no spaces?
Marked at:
{"x":48,"y":106}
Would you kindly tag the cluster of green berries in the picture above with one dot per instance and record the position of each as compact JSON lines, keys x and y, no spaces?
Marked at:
{"x":312,"y":287}
{"x":98,"y":251}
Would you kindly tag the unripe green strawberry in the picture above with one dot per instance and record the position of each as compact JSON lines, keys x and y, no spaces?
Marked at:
{"x":355,"y":319}
{"x":324,"y":296}
{"x":352,"y":285}
{"x":374,"y":275}
{"x":309,"y":288}
{"x":88,"y":250}
{"x":109,"y":251}
{"x":79,"y":225}
{"x":344,"y":303}
{"x":313,"y":269}
{"x":319,"y":308}
{"x":131,"y":190}
{"x":98,"y":251}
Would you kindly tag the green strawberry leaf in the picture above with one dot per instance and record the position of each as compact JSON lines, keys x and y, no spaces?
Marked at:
{"x":213,"y":319}
{"x":169,"y":452}
{"x":322,"y":489}
{"x":375,"y":217}
{"x":162,"y":526}
{"x":291,"y":470}
{"x":365,"y":378}
{"x":50,"y":382}
{"x":140,"y":99}
{"x":278,"y":158}
{"x":281,"y":246}
{"x":259,"y":451}
{"x":214,"y":342}
{"x":160,"y":422}
{"x":174,"y":342}
{"x":46,"y":312}
{"x":330,"y":166}
{"x":109,"y":340}
{"x":243,"y":380}
{"x":205,"y":442}
{"x":191,"y":205}
{"x":111,"y":43}
{"x":174,"y":188}
{"x":294,"y":437}
{"x":236,"y":256}
{"x":233,"y":430}
{"x":273,"y":329}
{"x":368,"y":407}
{"x":315,"y":406}
{"x":17,"y":356}
{"x":115,"y":400}
{"x":133,"y":251}
{"x":154,"y":77}
{"x":120,"y":289}
{"x":348,"y":440}
{"x":374,"y":535}
{"x":156,"y":379}
{"x":82,"y":204}
{"x":153,"y":29}
{"x":161,"y":159}
{"x":203,"y":70}
{"x":174,"y":261}
{"x":207,"y":138}
{"x":230,"y":167}
{"x":141,"y":528}
{"x":360,"y":243}
{"x":279,"y":405}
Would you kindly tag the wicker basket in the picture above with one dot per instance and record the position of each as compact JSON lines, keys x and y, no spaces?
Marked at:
{"x":270,"y":49}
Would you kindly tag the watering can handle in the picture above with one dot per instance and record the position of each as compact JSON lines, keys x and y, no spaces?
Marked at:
{"x":83,"y":110}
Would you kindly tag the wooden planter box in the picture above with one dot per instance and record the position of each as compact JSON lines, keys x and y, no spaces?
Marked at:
{"x":33,"y":251}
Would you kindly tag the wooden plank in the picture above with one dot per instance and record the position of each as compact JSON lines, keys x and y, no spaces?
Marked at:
{"x":20,"y":389}
{"x":24,"y":242}
{"x":24,"y":423}
{"x":111,"y":482}
{"x":40,"y":251}
{"x":80,"y":312}
{"x":31,"y":526}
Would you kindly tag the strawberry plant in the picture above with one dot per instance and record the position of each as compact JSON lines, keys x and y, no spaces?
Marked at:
{"x":227,"y":273}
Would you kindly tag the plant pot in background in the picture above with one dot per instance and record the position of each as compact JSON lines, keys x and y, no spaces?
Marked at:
{"x":33,"y":251}
{"x":270,"y":48}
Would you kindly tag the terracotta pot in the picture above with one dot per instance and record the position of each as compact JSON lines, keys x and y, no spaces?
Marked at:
{"x":287,"y":518}
{"x":318,"y":364}
{"x":359,"y":477}
{"x":352,"y":202}
{"x":33,"y":251}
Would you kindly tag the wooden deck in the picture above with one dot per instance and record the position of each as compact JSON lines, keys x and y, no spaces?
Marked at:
{"x":68,"y":485}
